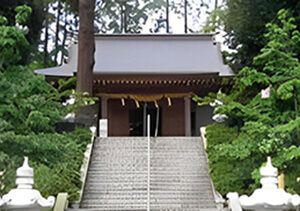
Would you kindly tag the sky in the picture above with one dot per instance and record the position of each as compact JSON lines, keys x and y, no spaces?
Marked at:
{"x":177,"y":20}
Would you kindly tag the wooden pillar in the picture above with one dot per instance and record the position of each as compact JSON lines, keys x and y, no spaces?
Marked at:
{"x":103,"y":108}
{"x":187,"y":116}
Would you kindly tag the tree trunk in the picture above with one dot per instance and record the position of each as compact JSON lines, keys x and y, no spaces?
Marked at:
{"x":215,"y":17}
{"x":216,"y":4}
{"x":86,"y":46}
{"x":64,"y":36}
{"x":46,"y":36}
{"x":125,"y":19}
{"x":59,"y":7}
{"x":167,"y":17}
{"x":185,"y":17}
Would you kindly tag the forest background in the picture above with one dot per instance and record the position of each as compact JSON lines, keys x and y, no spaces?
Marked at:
{"x":37,"y":35}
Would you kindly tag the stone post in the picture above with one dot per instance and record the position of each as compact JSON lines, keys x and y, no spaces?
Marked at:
{"x":268,"y":197}
{"x":24,"y":197}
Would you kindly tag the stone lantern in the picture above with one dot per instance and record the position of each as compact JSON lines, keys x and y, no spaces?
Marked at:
{"x":268,"y":197}
{"x":1,"y":203}
{"x":24,"y":197}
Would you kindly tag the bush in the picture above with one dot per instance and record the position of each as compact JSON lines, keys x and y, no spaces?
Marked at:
{"x":229,"y":172}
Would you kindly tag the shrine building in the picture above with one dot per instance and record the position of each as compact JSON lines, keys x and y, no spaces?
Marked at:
{"x":136,"y":75}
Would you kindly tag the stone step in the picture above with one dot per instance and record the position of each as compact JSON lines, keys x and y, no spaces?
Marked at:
{"x":153,"y":181}
{"x":144,"y":147}
{"x":153,"y":197}
{"x":153,"y":169}
{"x":168,"y":207}
{"x":103,"y":150}
{"x":161,"y":164}
{"x":161,"y":200}
{"x":154,"y":175}
{"x":144,"y":191}
{"x":162,"y":172}
{"x":104,"y":208}
{"x":144,"y":188}
{"x":120,"y":149}
{"x":139,"y":173}
{"x":160,"y":207}
{"x":163,"y":160}
{"x":140,"y":187}
{"x":117,"y":176}
{"x":143,"y":154}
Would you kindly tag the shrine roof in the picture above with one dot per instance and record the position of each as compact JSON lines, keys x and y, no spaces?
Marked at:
{"x":150,"y":54}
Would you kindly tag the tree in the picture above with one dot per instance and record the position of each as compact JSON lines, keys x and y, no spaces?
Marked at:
{"x":39,"y":26}
{"x":260,"y":125}
{"x":191,"y":12}
{"x":13,"y":42}
{"x":35,"y":21}
{"x":167,"y":16}
{"x":244,"y":23}
{"x":124,"y":16}
{"x":58,"y":17}
{"x":86,"y":46}
{"x":29,"y":111}
{"x":45,"y":47}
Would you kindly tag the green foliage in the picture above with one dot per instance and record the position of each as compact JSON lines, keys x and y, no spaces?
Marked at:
{"x":23,"y":14}
{"x":30,"y":107}
{"x":244,"y":23}
{"x":35,"y":22}
{"x":259,"y":127}
{"x":13,"y":45}
{"x":64,"y":174}
{"x":230,"y":166}
{"x":28,"y":103}
{"x":214,"y":20}
{"x":3,"y":21}
{"x":124,"y":16}
{"x":29,"y":111}
{"x":56,"y":159}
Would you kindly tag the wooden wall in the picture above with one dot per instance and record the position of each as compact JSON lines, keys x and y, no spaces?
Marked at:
{"x":118,"y":118}
{"x":172,"y":117}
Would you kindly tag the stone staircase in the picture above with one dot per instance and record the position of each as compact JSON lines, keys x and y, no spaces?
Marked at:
{"x":117,"y":175}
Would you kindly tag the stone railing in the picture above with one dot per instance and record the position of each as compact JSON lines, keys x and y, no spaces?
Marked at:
{"x":268,"y":197}
{"x":86,"y":163}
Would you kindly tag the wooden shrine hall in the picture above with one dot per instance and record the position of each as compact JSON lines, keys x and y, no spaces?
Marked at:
{"x":136,"y":75}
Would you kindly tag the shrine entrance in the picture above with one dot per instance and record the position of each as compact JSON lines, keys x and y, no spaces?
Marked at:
{"x":138,"y":120}
{"x":125,"y":101}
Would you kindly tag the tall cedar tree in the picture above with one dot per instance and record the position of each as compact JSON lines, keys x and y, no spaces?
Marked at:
{"x":86,"y":46}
